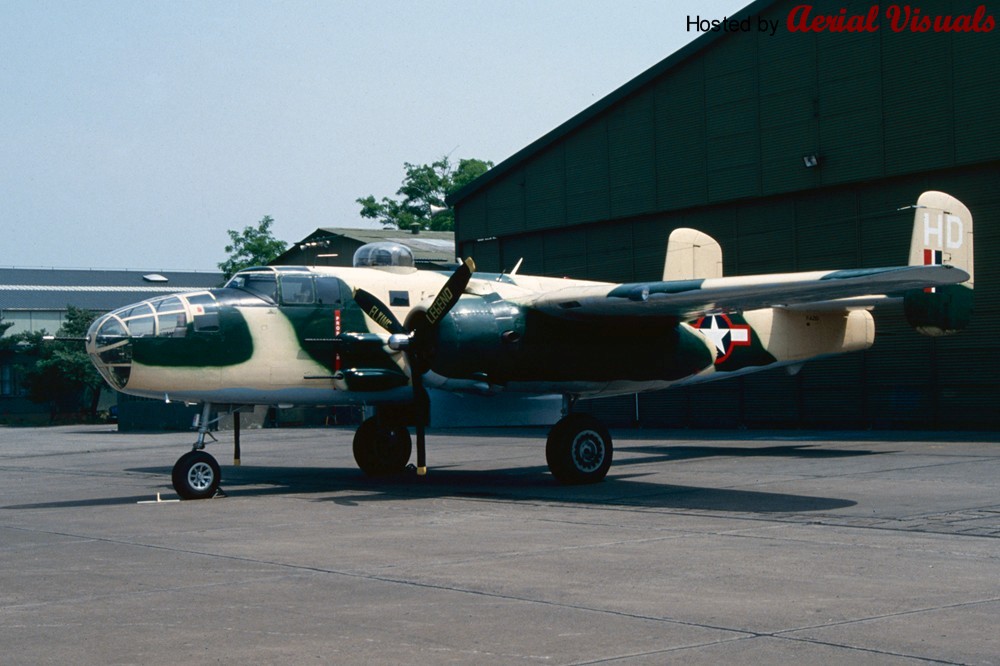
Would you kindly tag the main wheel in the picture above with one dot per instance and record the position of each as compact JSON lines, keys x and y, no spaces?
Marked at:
{"x":382,"y":447}
{"x":196,"y":475}
{"x":579,"y":450}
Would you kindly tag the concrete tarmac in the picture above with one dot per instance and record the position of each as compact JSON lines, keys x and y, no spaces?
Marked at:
{"x":699,"y":548}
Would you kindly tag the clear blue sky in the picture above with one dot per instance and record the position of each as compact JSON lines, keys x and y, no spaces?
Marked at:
{"x":133,"y":134}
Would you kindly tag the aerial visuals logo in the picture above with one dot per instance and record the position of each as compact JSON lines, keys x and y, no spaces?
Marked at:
{"x":899,"y":18}
{"x":895,"y":17}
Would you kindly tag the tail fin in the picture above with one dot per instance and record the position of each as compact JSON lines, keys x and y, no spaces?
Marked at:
{"x":692,"y":255}
{"x":942,"y":234}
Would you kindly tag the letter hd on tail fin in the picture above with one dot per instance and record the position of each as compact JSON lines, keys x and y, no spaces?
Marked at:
{"x":942,"y":235}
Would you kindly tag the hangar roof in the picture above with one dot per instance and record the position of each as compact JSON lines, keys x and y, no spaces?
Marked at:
{"x":427,"y":246}
{"x":602,"y":105}
{"x":54,"y":288}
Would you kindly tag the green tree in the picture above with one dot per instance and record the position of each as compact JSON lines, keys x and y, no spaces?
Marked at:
{"x":254,"y":246}
{"x":424,"y":185}
{"x":8,"y":352}
{"x":62,"y":374}
{"x":8,"y":344}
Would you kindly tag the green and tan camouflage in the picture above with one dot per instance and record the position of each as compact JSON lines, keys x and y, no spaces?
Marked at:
{"x":300,"y":335}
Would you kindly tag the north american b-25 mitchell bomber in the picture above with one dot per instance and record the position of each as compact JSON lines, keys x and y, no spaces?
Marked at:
{"x":381,"y":333}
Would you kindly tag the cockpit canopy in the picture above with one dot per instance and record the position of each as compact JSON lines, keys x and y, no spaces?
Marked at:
{"x":292,"y":285}
{"x":383,"y":254}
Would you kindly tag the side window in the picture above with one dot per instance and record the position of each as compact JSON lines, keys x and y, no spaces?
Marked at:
{"x":297,"y":290}
{"x":207,"y":323}
{"x":262,"y":284}
{"x":330,"y":291}
{"x":205,"y":312}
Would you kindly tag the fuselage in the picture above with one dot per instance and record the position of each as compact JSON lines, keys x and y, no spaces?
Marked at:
{"x":295,"y":335}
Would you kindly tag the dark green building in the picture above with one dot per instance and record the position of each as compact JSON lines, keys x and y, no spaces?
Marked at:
{"x":796,"y":151}
{"x":330,"y":246}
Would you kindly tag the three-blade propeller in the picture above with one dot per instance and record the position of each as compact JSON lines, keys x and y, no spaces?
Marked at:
{"x":416,"y":340}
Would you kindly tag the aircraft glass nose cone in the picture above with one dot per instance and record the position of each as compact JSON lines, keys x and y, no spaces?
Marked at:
{"x":110,"y":349}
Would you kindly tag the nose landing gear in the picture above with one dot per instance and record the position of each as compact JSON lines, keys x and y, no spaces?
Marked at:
{"x":196,"y":474}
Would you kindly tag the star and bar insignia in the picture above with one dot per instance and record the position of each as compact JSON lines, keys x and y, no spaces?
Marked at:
{"x":724,"y":334}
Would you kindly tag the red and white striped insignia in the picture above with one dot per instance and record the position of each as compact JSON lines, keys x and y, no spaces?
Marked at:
{"x":932,"y":258}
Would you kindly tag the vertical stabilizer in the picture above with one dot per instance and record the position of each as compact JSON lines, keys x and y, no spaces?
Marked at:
{"x":692,"y":255}
{"x":942,"y":234}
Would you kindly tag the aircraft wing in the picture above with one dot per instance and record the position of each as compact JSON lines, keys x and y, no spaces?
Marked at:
{"x":688,"y":299}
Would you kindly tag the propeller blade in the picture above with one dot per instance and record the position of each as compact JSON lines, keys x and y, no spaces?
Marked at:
{"x":418,"y":354}
{"x":450,"y":292}
{"x":422,"y":323}
{"x":377,"y":310}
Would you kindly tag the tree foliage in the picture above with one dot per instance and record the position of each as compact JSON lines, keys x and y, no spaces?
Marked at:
{"x":59,"y":372}
{"x":254,"y":246}
{"x":424,"y":185}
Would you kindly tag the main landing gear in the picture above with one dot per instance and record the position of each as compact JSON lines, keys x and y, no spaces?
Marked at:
{"x":578,"y":449}
{"x":382,"y":446}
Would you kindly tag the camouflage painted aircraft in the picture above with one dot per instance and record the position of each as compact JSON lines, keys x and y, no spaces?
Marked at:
{"x":381,"y":332}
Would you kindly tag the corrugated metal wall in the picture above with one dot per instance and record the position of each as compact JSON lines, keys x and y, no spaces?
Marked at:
{"x":717,"y":143}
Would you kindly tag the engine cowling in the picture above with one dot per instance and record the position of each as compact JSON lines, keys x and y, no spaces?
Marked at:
{"x":489,"y":339}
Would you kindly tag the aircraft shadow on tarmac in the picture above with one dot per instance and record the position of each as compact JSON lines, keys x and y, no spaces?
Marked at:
{"x":348,"y":487}
{"x":615,"y":491}
{"x":519,"y":484}
{"x":663,"y":453}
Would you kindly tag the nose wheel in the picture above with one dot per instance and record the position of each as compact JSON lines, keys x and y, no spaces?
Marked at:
{"x":196,"y":475}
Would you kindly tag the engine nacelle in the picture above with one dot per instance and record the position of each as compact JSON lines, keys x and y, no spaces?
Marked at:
{"x":486,"y":338}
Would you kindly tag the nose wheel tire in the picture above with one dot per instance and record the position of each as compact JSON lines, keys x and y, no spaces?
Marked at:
{"x":382,"y":447}
{"x":196,"y":475}
{"x":579,"y":450}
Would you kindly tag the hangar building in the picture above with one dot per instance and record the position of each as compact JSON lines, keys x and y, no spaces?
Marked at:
{"x":328,"y":246}
{"x":36,"y":299}
{"x":796,"y":150}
